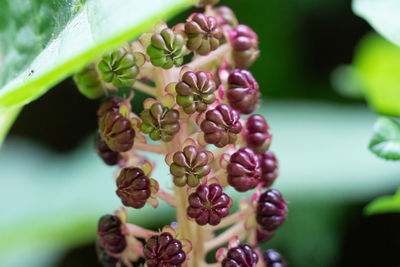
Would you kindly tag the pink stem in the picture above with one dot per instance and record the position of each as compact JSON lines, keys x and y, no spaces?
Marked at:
{"x":225,"y":236}
{"x":139,"y":231}
{"x":149,"y":148}
{"x":236,"y":217}
{"x":167,"y":197}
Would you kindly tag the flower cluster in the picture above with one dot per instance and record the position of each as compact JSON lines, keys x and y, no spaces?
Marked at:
{"x":194,"y":117}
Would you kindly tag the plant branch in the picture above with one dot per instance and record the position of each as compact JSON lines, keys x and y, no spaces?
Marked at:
{"x":145,"y":88}
{"x":225,"y":236}
{"x":216,"y":55}
{"x":167,"y":197}
{"x":139,"y":231}
{"x":149,"y":148}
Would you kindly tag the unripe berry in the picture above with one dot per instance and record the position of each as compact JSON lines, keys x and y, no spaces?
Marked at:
{"x":208,"y":204}
{"x":204,"y":34}
{"x":160,"y":122}
{"x":221,"y":126}
{"x":195,"y":91}
{"x":105,"y":153}
{"x":225,"y":16}
{"x":189,"y":166}
{"x":111,"y":237}
{"x":244,"y":170}
{"x":269,"y":167}
{"x":163,"y":250}
{"x":240,"y":256}
{"x":243,"y":94}
{"x":166,"y":49}
{"x":117,"y":131}
{"x":111,"y":103}
{"x":271,"y":210}
{"x":273,"y":258}
{"x":133,"y":187}
{"x":244,"y":42}
{"x":119,"y":68}
{"x":89,"y":83}
{"x":257,"y":136}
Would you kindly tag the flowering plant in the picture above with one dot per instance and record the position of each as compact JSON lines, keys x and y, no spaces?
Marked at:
{"x":193,"y":118}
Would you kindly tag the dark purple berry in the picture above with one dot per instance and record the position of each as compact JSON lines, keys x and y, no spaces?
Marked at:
{"x":243,"y":94}
{"x":244,"y":170}
{"x":117,"y":131}
{"x":195,"y":91}
{"x":208,"y":204}
{"x":240,"y":256}
{"x":133,"y":187}
{"x":111,"y":103}
{"x":104,"y":258}
{"x":189,"y":166}
{"x":269,"y":167}
{"x":244,"y":42}
{"x":257,"y":137}
{"x":105,"y":153}
{"x":271,"y":210}
{"x":163,"y":250}
{"x":204,"y":34}
{"x":109,"y":231}
{"x":273,"y":258}
{"x":221,"y":126}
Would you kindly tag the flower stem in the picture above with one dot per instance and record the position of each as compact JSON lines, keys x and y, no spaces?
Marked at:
{"x":139,"y":231}
{"x":145,"y":88}
{"x":225,"y":236}
{"x":167,"y":197}
{"x":149,"y":148}
{"x":204,"y":61}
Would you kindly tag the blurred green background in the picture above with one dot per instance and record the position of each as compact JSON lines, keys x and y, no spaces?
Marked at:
{"x":312,"y":72}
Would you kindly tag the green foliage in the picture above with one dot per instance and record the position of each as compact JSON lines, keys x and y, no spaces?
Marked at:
{"x":385,"y":142}
{"x":377,"y":63}
{"x":44,"y":41}
{"x":384,"y":204}
{"x":382,"y":15}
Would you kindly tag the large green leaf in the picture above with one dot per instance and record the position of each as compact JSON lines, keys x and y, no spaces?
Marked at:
{"x":377,"y":64}
{"x":44,"y":41}
{"x":383,"y":15}
{"x":384,"y":204}
{"x":385,"y":142}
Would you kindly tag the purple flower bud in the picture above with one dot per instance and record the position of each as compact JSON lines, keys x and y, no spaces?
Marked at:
{"x":105,"y":153}
{"x":163,"y":250}
{"x":221,"y":126}
{"x":271,"y":210}
{"x":240,"y":256}
{"x":189,"y":166}
{"x":245,"y":46}
{"x":117,"y":131}
{"x":133,"y":187}
{"x":257,"y":136}
{"x":208,"y":204}
{"x":243,"y":94}
{"x":269,"y":167}
{"x":272,"y":258}
{"x":111,"y":103}
{"x":111,"y":237}
{"x":244,"y":170}
{"x":225,"y":16}
{"x":204,"y":34}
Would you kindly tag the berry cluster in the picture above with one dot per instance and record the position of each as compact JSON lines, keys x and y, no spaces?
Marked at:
{"x":194,"y":118}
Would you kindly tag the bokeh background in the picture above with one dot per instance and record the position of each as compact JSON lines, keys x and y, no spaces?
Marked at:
{"x":53,"y":187}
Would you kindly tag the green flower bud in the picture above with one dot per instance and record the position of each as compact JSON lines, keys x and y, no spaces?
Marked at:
{"x":189,"y":166}
{"x":167,"y":48}
{"x":204,"y":33}
{"x":89,"y":83}
{"x":195,"y":91}
{"x":119,"y":68}
{"x":160,"y":122}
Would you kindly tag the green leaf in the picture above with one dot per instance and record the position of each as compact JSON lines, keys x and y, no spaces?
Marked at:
{"x":377,"y":62}
{"x":384,"y":204}
{"x":44,"y":41}
{"x":382,"y":15}
{"x":385,"y":142}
